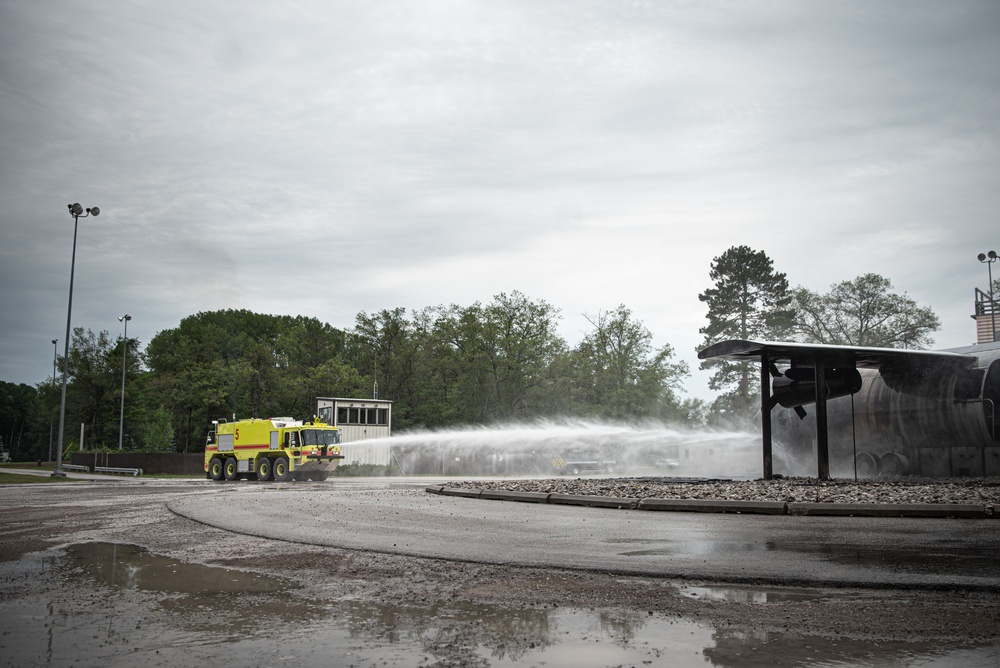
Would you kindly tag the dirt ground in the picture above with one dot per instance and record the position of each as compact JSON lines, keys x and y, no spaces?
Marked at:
{"x":104,"y":574}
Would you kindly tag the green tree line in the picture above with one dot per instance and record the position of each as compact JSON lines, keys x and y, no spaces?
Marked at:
{"x":442,"y":366}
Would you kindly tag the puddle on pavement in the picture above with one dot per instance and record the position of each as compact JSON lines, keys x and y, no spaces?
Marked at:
{"x":131,"y":566}
{"x":754,"y":595}
{"x":105,"y":604}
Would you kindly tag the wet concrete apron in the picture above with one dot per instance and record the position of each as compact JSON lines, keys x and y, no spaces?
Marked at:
{"x":843,"y":551}
{"x":105,"y":575}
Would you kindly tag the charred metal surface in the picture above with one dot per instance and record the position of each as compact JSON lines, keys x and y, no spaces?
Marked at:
{"x":884,"y":431}
{"x":822,"y":430}
{"x":767,"y":369}
{"x":879,"y":411}
{"x":797,"y":387}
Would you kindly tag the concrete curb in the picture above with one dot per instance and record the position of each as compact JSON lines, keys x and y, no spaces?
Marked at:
{"x":960,"y":510}
{"x":457,"y":491}
{"x":714,"y":506}
{"x":593,"y":501}
{"x":934,"y":510}
{"x":523,"y":497}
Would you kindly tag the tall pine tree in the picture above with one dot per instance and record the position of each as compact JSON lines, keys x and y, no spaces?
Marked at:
{"x":749,"y":300}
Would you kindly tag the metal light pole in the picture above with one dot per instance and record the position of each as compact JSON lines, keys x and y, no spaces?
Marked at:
{"x":988,"y":259}
{"x":121,"y":420}
{"x":51,"y":419}
{"x":76,"y":211}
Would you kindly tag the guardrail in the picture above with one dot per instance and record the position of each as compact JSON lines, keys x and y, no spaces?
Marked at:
{"x":103,"y":469}
{"x":116,"y":469}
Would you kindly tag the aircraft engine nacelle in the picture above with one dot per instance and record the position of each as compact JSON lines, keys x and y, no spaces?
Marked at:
{"x":797,"y":386}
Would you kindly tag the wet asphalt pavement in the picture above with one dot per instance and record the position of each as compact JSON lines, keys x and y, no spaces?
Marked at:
{"x":103,"y":574}
{"x":400,"y":518}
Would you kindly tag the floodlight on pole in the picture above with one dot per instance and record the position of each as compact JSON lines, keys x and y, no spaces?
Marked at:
{"x":77,"y":212}
{"x":121,"y":420}
{"x":988,"y":259}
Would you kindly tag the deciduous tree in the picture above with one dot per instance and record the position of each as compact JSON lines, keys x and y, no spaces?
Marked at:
{"x":391,"y":352}
{"x":159,"y":436}
{"x":864,"y":312}
{"x":498,"y":358}
{"x":619,"y":375}
{"x":221,"y":363}
{"x":21,"y":429}
{"x":93,"y":388}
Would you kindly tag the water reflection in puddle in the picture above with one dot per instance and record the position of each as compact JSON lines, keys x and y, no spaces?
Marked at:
{"x":130,"y":607}
{"x":133,"y":567}
{"x":737,"y":594}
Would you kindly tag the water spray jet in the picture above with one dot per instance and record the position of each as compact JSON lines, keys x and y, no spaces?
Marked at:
{"x":520,"y":449}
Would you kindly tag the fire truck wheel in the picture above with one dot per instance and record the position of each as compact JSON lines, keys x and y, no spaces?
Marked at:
{"x":215,"y":469}
{"x":265,"y":470}
{"x":281,"y":473}
{"x":231,"y":470}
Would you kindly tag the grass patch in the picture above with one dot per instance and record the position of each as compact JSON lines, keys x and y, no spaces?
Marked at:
{"x":169,"y":476}
{"x":24,"y":478}
{"x":46,"y":466}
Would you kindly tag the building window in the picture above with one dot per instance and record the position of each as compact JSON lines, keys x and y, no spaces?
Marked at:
{"x":363,"y":416}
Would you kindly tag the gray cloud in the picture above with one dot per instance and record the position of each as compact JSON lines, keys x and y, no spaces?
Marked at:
{"x":328,"y":158}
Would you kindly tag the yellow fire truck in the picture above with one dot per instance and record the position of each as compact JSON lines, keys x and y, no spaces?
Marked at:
{"x":274,"y":449}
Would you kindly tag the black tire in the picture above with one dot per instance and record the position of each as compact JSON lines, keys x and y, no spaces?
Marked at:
{"x":231,"y":471}
{"x":281,"y":472}
{"x":265,"y":469}
{"x":215,"y":469}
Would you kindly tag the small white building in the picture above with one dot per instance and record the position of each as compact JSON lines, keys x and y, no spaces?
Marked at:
{"x":359,"y":420}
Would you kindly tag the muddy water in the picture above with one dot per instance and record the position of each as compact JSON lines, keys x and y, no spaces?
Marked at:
{"x":108,"y":604}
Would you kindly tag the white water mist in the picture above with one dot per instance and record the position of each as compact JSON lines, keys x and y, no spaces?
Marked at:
{"x":528,"y":449}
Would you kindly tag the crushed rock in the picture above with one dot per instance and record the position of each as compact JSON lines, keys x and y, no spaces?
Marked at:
{"x":985,"y":491}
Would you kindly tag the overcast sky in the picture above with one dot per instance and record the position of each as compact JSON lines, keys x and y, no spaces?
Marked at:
{"x":327,"y":157}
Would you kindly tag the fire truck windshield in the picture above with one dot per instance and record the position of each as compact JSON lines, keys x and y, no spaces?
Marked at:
{"x":320,"y":437}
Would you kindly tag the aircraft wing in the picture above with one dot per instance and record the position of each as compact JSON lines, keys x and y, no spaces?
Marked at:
{"x":888,"y":361}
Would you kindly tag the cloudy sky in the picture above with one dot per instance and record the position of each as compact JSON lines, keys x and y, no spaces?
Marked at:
{"x":326,"y":157}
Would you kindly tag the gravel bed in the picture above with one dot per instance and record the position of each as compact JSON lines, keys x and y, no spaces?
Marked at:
{"x":985,"y":491}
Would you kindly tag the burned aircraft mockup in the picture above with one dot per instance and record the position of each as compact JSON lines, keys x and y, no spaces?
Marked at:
{"x":877,"y":410}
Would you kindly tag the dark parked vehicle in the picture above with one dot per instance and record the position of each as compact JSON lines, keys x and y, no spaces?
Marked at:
{"x":577,"y":463}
